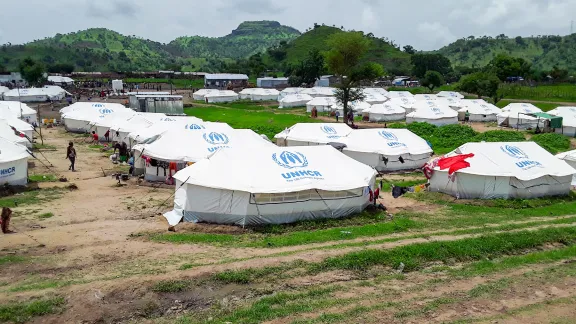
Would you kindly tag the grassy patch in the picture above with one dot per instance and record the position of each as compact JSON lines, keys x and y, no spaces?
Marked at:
{"x":558,"y":92}
{"x":262,"y":122}
{"x":38,"y":146}
{"x":33,"y":197}
{"x":40,"y":285}
{"x":292,"y":238}
{"x":45,"y":215}
{"x":8,"y":259}
{"x":490,"y":288}
{"x":43,"y":178}
{"x":387,"y":184}
{"x":170,"y":286}
{"x":416,"y":256}
{"x":23,"y":312}
{"x":249,"y":275}
{"x":96,"y":146}
{"x":552,"y":142}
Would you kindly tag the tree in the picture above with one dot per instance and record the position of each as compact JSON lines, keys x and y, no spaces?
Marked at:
{"x":32,"y":71}
{"x":505,"y":66}
{"x":346,"y":60}
{"x":430,"y":62}
{"x":559,"y":74}
{"x":61,"y":68}
{"x":432,"y":79}
{"x":409,"y":49}
{"x":520,"y":41}
{"x":2,"y":68}
{"x":483,"y":84}
{"x":309,"y":70}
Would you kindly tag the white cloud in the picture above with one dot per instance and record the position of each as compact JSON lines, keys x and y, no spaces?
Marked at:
{"x":434,"y":34}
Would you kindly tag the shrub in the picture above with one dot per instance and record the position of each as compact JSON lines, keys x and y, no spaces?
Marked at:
{"x":500,"y":136}
{"x":422,"y":129}
{"x":552,"y":142}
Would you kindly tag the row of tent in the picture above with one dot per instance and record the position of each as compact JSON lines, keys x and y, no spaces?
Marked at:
{"x":235,"y":176}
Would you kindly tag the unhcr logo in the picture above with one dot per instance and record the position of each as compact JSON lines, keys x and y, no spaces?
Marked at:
{"x":295,"y":160}
{"x":514,"y":151}
{"x":329,"y":130}
{"x":388,"y":136}
{"x":216,"y":138}
{"x":196,"y":127}
{"x":106,"y":111}
{"x":98,"y":105}
{"x":436,"y":110}
{"x":7,"y":172}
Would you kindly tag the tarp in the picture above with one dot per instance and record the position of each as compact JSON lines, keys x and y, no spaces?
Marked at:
{"x":273,"y":169}
{"x":522,"y":160}
{"x":192,"y":145}
{"x":450,"y":94}
{"x":555,"y":121}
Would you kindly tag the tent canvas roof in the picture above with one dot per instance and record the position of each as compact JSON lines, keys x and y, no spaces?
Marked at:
{"x":425,"y":97}
{"x":432,"y":110}
{"x":16,"y":107}
{"x":481,"y":109}
{"x":450,"y":94}
{"x":226,"y":76}
{"x":279,"y":169}
{"x":387,"y":108}
{"x":567,"y":156}
{"x":399,"y":94}
{"x":522,"y":160}
{"x":316,"y":132}
{"x":386,"y":141}
{"x":322,"y":101}
{"x":91,"y":105}
{"x":11,"y":151}
{"x":567,"y":113}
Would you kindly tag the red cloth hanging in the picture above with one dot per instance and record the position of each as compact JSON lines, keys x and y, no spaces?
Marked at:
{"x":454,"y":163}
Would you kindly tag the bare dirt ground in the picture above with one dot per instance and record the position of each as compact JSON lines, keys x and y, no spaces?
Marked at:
{"x":86,"y":253}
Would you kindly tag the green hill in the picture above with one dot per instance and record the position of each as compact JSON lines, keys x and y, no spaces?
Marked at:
{"x":544,"y":52}
{"x":249,"y":38}
{"x":393,"y":60}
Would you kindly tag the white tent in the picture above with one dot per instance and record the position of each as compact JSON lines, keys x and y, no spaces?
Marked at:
{"x":200,"y":94}
{"x":308,"y":134}
{"x":90,"y":105}
{"x":432,"y":112}
{"x":18,"y":110}
{"x":505,"y":170}
{"x":321,"y":103}
{"x":289,"y":91}
{"x":81,"y":121}
{"x":60,"y":79}
{"x":34,"y":94}
{"x":295,"y":100}
{"x":221,"y":96}
{"x":318,"y":91}
{"x":125,"y":126}
{"x":163,"y":125}
{"x":19,"y":125}
{"x":425,"y":97}
{"x":387,"y":149}
{"x":404,"y":102}
{"x":570,"y":158}
{"x":450,"y":94}
{"x":481,"y":112}
{"x":58,"y":91}
{"x":13,"y":163}
{"x":386,"y":112}
{"x":380,"y":91}
{"x":568,"y":115}
{"x":8,"y":133}
{"x":455,"y":104}
{"x":358,"y":107}
{"x":291,"y":185}
{"x":375,"y":98}
{"x":265,"y":95}
{"x":514,"y":115}
{"x":399,"y":94}
{"x":2,"y":90}
{"x":246,"y":93}
{"x":103,"y":124}
{"x":192,"y":145}
{"x":469,"y":102}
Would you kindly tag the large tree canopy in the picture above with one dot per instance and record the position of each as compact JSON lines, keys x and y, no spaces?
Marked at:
{"x":308,"y":71}
{"x":32,"y":71}
{"x":482,"y":84}
{"x":505,"y":66}
{"x":346,"y":60}
{"x":432,"y":79}
{"x":430,"y":62}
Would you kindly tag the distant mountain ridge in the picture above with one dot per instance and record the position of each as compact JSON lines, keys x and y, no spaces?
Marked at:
{"x":544,"y":52}
{"x":100,"y":49}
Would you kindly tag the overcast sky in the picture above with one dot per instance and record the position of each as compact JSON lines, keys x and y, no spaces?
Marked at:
{"x":423,"y":24}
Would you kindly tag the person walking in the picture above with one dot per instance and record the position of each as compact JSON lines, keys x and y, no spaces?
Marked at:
{"x":71,"y":155}
{"x":337,"y":115}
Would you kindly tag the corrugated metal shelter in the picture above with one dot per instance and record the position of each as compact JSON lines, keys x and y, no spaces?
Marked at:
{"x":172,"y":105}
{"x":221,"y":80}
{"x":270,"y":82}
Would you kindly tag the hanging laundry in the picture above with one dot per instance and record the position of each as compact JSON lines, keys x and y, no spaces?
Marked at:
{"x":455,"y":163}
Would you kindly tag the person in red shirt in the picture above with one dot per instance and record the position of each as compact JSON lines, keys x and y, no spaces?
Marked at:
{"x":94,"y":137}
{"x":376,"y":195}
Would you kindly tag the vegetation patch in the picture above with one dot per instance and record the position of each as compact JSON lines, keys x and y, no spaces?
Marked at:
{"x":171,"y":286}
{"x":43,"y":178}
{"x":9,"y":259}
{"x":24,"y":311}
{"x":33,"y":197}
{"x":46,"y":215}
{"x":552,"y":142}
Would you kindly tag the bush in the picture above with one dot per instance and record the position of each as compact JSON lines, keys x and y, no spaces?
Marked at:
{"x":449,"y":137}
{"x":422,"y":129}
{"x":500,"y":136}
{"x":552,"y":142}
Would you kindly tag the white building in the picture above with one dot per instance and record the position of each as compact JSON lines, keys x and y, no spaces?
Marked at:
{"x":505,"y":170}
{"x":293,"y":184}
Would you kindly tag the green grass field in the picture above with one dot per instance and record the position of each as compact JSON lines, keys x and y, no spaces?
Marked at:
{"x":553,"y":93}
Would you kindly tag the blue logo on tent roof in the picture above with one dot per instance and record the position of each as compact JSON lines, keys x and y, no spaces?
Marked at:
{"x":106,"y":111}
{"x":290,"y":160}
{"x":329,"y":130}
{"x":388,"y":136}
{"x":514,"y":151}
{"x":216,"y":138}
{"x":195,"y":127}
{"x":98,"y":105}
